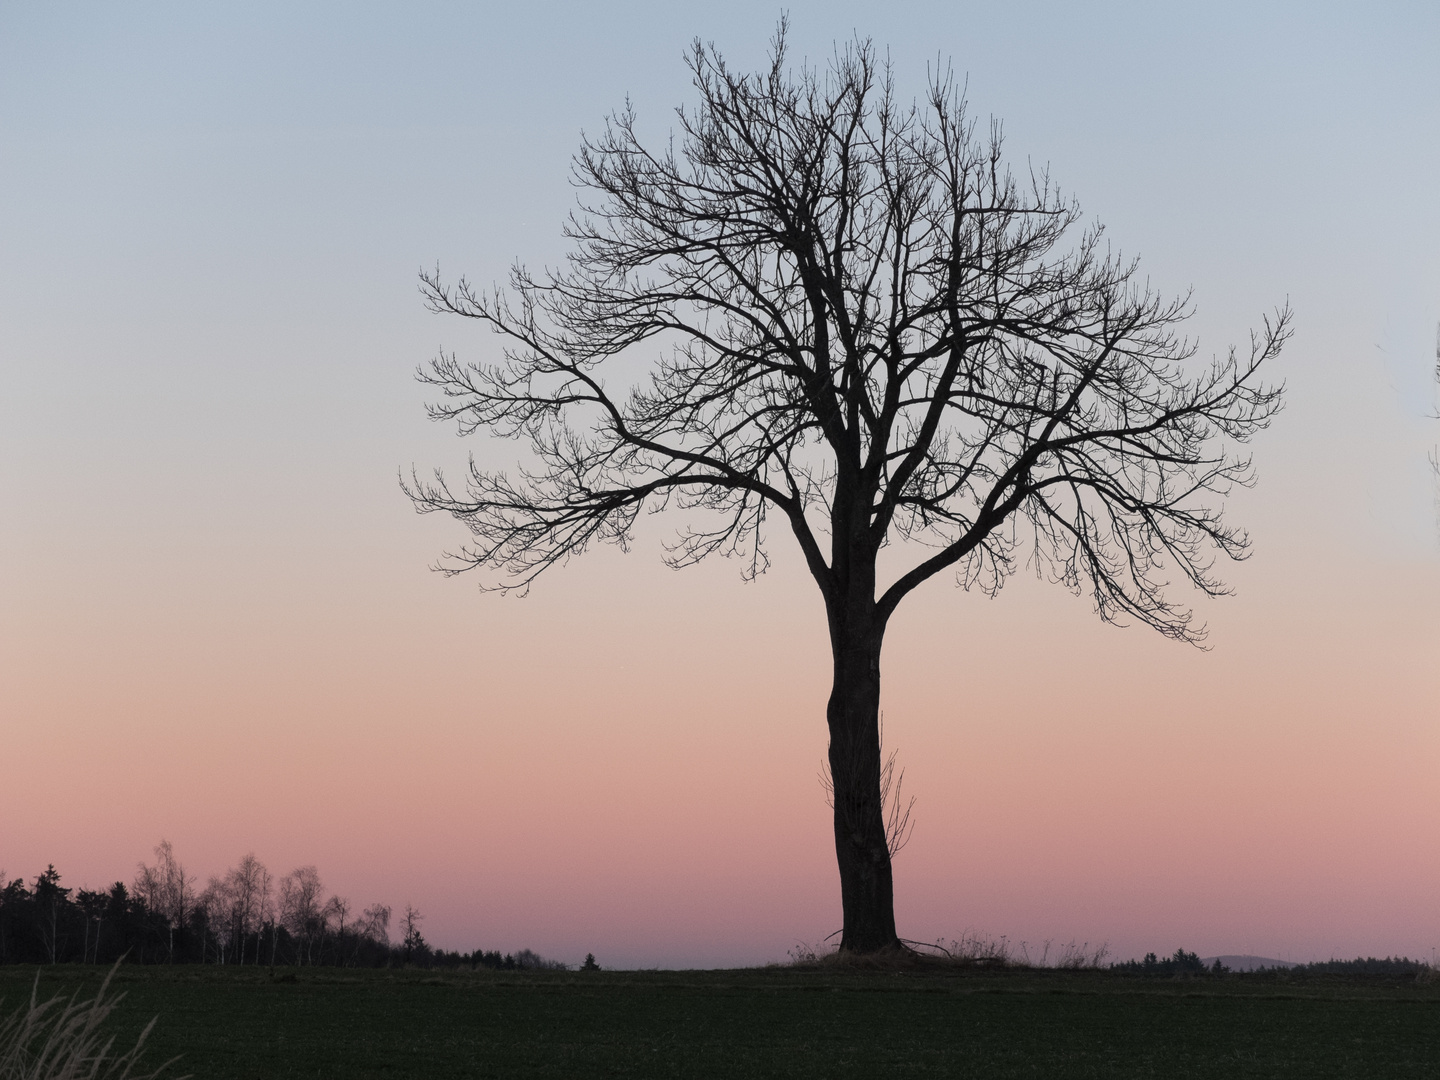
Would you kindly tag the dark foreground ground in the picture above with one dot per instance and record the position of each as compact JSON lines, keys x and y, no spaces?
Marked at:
{"x":234,"y":1023}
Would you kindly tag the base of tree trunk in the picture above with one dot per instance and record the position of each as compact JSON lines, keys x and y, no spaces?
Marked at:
{"x":891,"y":949}
{"x":898,"y":956}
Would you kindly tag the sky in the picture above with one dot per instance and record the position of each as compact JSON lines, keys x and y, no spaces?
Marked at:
{"x":218,"y":621}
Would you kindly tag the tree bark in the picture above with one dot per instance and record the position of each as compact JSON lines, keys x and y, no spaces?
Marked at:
{"x":861,"y":848}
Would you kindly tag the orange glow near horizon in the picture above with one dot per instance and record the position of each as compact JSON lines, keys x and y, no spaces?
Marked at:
{"x":626,"y":763}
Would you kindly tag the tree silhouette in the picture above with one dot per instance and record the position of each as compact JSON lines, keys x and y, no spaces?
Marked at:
{"x":49,"y":924}
{"x":302,"y":902}
{"x":50,"y":899}
{"x":864,"y":324}
{"x":413,"y":943}
{"x":167,"y":890}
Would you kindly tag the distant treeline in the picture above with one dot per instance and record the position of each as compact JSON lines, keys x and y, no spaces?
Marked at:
{"x":1188,"y":963}
{"x":1182,"y":963}
{"x":244,"y":916}
{"x":1390,"y":965}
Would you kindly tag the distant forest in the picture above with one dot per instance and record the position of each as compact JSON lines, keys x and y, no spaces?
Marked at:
{"x":1188,"y":963}
{"x":244,"y":916}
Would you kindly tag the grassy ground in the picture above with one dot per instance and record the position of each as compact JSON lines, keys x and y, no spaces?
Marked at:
{"x":238,"y":1023}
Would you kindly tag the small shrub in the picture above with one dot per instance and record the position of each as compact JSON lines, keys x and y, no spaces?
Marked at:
{"x":803,"y":954}
{"x":527,"y":960}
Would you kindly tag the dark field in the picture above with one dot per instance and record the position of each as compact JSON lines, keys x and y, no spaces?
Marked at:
{"x":233,"y":1022}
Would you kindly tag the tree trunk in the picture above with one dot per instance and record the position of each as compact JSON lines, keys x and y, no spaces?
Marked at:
{"x":861,"y":848}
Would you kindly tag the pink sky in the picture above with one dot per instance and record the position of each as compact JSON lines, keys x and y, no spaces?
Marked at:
{"x":217,"y":625}
{"x":625,"y":762}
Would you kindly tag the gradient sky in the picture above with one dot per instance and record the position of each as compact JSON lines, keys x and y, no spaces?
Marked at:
{"x":217,"y":624}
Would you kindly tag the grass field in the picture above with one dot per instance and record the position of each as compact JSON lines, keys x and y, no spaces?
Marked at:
{"x":772,"y":1022}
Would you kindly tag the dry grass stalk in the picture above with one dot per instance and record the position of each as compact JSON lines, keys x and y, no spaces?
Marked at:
{"x":61,"y":1039}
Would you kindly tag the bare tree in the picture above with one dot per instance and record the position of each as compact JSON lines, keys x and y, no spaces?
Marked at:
{"x":249,"y":884}
{"x":413,"y":941}
{"x":232,"y":904}
{"x":335,"y":912}
{"x":301,"y":909}
{"x":217,"y":905}
{"x":337,"y":908}
{"x":863,"y":324}
{"x":375,"y":923}
{"x":265,"y":914}
{"x":372,"y":926}
{"x":167,"y":890}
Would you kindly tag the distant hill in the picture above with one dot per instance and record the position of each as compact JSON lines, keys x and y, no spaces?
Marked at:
{"x":1246,"y":963}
